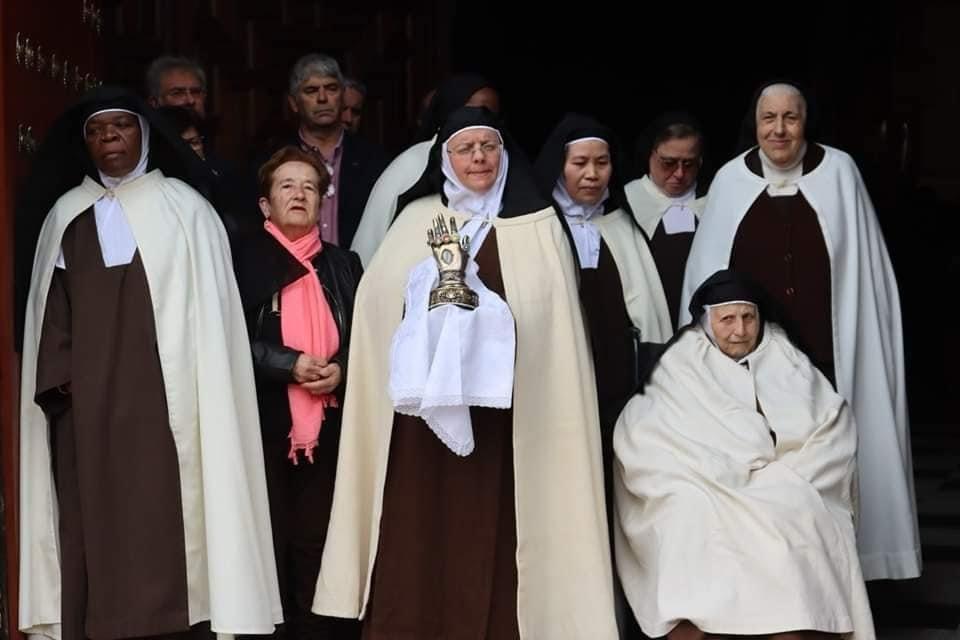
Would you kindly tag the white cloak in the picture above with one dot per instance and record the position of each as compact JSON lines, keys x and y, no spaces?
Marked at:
{"x":642,"y":292}
{"x":649,"y":204}
{"x":723,"y":526}
{"x":208,"y":380}
{"x":564,"y":575}
{"x":381,"y":208}
{"x":867,"y":339}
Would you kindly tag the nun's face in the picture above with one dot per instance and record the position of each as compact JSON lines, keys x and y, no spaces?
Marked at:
{"x":586,"y":171}
{"x":780,"y":127}
{"x":113,"y":142}
{"x":735,"y":327}
{"x":475,"y":158}
{"x":294,"y":202}
{"x":674,"y":165}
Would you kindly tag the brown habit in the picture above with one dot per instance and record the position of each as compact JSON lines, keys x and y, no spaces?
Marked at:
{"x":780,"y":245}
{"x":670,"y":252}
{"x":446,"y":564}
{"x":611,"y":338}
{"x":99,"y":380}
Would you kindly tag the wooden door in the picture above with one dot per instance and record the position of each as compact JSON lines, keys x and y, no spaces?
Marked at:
{"x":51,"y":53}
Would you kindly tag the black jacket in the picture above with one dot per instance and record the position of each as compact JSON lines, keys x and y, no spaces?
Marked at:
{"x":362,"y":164}
{"x":264,"y":267}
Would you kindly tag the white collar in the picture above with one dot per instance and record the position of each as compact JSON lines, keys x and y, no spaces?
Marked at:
{"x":782,"y":181}
{"x":586,"y":235}
{"x":572,"y":208}
{"x":657,"y":192}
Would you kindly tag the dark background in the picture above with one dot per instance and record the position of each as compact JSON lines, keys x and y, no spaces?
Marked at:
{"x":883,"y":82}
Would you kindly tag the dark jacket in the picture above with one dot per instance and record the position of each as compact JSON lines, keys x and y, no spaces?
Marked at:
{"x":362,"y":164}
{"x":264,"y":267}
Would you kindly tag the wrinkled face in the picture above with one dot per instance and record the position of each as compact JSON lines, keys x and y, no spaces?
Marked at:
{"x":193,"y":138}
{"x":318,"y":102}
{"x":674,"y":165}
{"x":352,"y":109}
{"x":781,"y":119}
{"x":736,"y":328}
{"x":113,"y":142}
{"x":294,"y":202}
{"x":181,"y":88}
{"x":475,"y":157}
{"x":485,"y":97}
{"x":587,"y":170}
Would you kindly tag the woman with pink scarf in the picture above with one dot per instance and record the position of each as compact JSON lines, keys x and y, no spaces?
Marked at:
{"x":298,"y":297}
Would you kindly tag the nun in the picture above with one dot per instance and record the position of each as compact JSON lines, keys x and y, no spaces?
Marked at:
{"x":668,"y":201}
{"x":736,"y":484}
{"x":469,"y":494}
{"x":623,"y":302}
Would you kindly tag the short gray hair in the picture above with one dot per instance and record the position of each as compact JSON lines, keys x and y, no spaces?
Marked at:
{"x":356,"y":85}
{"x":313,"y":64}
{"x":782,"y":88}
{"x":163,"y":64}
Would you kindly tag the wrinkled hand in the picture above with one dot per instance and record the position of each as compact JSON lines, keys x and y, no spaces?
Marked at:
{"x":308,"y":368}
{"x":330,"y":377}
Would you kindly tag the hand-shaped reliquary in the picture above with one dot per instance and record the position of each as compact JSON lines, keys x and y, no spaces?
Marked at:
{"x":452,"y":253}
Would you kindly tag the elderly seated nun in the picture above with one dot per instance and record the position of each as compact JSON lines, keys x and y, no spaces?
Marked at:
{"x":469,"y":494}
{"x":298,"y":296}
{"x":579,"y":169}
{"x":735,"y":485}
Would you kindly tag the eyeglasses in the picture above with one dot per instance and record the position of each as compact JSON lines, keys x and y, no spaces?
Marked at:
{"x":467,"y":150}
{"x":181,"y":93}
{"x":671,"y":164}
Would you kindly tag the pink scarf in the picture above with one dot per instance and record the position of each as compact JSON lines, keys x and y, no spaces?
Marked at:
{"x":306,"y":324}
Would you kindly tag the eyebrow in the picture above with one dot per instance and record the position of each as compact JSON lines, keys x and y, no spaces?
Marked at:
{"x":116,"y":120}
{"x":477,"y":141}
